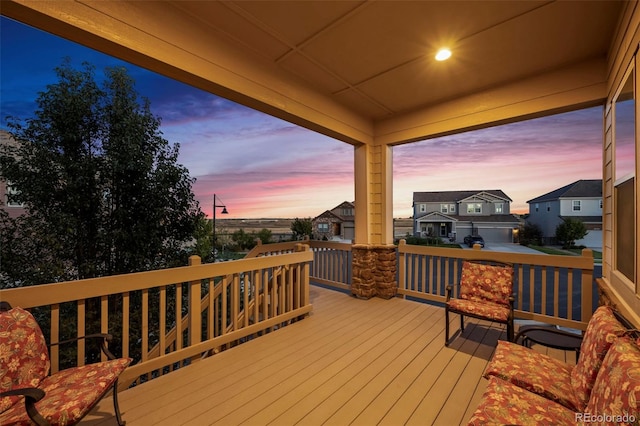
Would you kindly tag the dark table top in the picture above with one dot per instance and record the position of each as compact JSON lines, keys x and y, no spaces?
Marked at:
{"x":550,"y":336}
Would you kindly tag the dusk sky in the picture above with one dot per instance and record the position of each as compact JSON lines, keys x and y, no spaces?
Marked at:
{"x":260,"y":166}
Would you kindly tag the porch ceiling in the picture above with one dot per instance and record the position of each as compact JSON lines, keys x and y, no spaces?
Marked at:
{"x":360,"y":70}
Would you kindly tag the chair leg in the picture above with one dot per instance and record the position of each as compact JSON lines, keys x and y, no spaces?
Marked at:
{"x":510,"y":333}
{"x":116,"y":407}
{"x":461,"y":323}
{"x":446,"y":327}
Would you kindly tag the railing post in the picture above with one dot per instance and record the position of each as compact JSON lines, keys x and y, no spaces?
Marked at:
{"x":195,"y":317}
{"x":587,"y":288}
{"x":304,"y":279}
{"x":402,"y":273}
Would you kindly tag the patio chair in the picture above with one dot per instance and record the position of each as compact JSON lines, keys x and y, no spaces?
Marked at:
{"x":29,"y":395}
{"x":485,"y":291}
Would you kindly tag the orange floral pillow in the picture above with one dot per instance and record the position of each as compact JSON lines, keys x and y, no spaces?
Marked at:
{"x":24,"y":356}
{"x":603,"y":329}
{"x":616,"y":391}
{"x":490,"y":283}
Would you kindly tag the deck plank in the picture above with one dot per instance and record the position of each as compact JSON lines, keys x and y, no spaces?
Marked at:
{"x":350,"y":361}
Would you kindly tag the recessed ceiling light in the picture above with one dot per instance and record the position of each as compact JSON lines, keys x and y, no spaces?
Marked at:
{"x":443,"y":54}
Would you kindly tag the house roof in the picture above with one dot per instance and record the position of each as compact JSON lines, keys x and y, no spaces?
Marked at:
{"x":585,"y":219}
{"x":440,"y":217}
{"x":334,"y":212}
{"x":328,"y":214}
{"x":345,"y":205}
{"x":455,"y":196}
{"x":494,"y":218}
{"x":584,"y":188}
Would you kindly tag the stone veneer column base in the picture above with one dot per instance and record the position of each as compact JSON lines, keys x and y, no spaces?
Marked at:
{"x":373,"y":271}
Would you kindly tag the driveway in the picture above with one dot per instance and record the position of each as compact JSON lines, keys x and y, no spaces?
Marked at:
{"x":508,"y":247}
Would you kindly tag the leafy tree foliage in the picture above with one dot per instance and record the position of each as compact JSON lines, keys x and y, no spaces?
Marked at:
{"x":102,"y":187}
{"x":301,"y":228}
{"x":244,"y":240}
{"x":203,"y":239}
{"x":569,"y":231}
{"x":530,"y":234}
{"x":264,"y":235}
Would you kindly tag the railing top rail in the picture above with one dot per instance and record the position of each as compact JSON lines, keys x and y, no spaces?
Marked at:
{"x":48,"y":294}
{"x":330,"y":245}
{"x":272,"y":247}
{"x":580,"y":262}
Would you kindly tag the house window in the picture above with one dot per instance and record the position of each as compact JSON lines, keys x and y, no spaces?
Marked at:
{"x":323,"y":227}
{"x":577,"y":205}
{"x":423,"y":208}
{"x":537,"y":206}
{"x":347,"y":212}
{"x":624,"y":190}
{"x":499,"y":208}
{"x":474,"y":208}
{"x":452,"y":208}
{"x":444,"y":208}
{"x":600,"y":204}
{"x":12,"y":193}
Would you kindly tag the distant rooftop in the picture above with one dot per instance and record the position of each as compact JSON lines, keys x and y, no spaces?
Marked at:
{"x":584,"y":188}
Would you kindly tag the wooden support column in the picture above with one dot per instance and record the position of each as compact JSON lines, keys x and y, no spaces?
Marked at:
{"x":374,"y":254}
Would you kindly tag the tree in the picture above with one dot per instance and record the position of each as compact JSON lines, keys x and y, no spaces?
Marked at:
{"x":102,"y":188}
{"x":569,"y":231}
{"x":264,"y":235}
{"x":203,"y":239}
{"x":530,"y":234}
{"x":301,"y":228}
{"x":243,"y":240}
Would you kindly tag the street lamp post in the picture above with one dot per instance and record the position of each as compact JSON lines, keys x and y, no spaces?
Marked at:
{"x":224,"y":211}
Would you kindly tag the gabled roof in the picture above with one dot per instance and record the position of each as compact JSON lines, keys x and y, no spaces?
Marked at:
{"x":437,"y":216}
{"x":332,"y":214}
{"x":456,"y":196}
{"x":584,"y":188}
{"x":328,"y":214}
{"x":345,"y":205}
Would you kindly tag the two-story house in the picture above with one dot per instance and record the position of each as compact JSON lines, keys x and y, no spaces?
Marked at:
{"x":455,"y":214}
{"x":580,"y":200}
{"x":337,"y":223}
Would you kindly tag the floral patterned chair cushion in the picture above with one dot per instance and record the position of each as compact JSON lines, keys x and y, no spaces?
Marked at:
{"x":533,"y":371}
{"x":24,"y":356}
{"x":601,"y":332}
{"x":486,"y":283}
{"x":70,"y":394}
{"x":24,"y":363}
{"x":494,"y":311}
{"x":616,"y":391}
{"x":504,"y":403}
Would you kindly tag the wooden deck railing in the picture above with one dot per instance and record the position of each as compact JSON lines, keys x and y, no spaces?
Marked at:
{"x":152,"y":313}
{"x":331,"y":264}
{"x":245,"y":298}
{"x":552,"y":289}
{"x":331,"y":260}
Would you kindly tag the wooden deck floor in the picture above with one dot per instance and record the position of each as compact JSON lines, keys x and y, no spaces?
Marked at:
{"x":351,"y":362}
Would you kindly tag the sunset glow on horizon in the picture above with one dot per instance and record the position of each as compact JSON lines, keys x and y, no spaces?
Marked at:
{"x":264,"y":167}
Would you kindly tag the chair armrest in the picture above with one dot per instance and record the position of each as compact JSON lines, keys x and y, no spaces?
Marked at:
{"x":448,"y":291}
{"x":34,"y":393}
{"x":547,"y":329}
{"x":31,"y":396}
{"x":105,"y":338}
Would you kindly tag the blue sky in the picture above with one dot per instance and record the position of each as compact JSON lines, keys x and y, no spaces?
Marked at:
{"x":237,"y":153}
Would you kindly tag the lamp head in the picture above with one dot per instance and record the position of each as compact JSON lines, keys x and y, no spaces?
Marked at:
{"x":224,"y":210}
